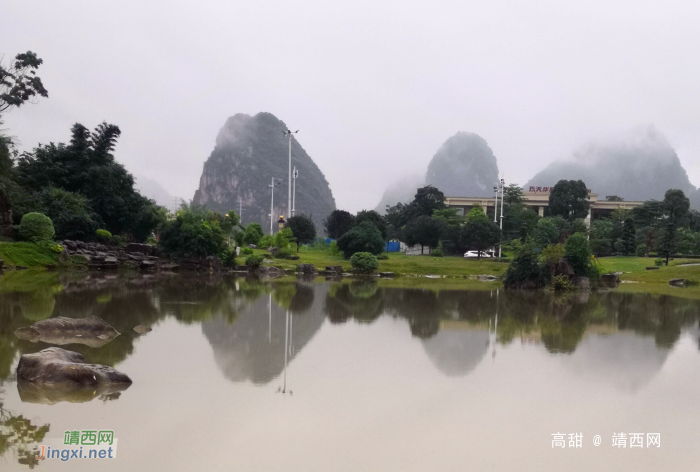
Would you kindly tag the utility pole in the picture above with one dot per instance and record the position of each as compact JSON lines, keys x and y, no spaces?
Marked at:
{"x":240,"y":210}
{"x":495,"y":204}
{"x":295,"y":174}
{"x":272,"y":201}
{"x":503,"y":183}
{"x":289,"y":134}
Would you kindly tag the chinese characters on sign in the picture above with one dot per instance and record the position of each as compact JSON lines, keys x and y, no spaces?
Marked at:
{"x":619,"y":440}
{"x":88,"y":437}
{"x":540,"y":189}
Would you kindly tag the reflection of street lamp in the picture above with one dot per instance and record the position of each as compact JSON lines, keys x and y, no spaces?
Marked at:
{"x":287,"y":353}
{"x":272,"y":199}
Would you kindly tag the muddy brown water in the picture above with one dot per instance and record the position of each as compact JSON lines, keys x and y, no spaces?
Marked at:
{"x":290,"y":375}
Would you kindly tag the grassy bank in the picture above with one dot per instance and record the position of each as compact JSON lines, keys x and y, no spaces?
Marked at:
{"x":401,"y":264}
{"x":27,"y":255}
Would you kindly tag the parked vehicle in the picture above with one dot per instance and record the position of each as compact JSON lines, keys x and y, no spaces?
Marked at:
{"x":476,"y":254}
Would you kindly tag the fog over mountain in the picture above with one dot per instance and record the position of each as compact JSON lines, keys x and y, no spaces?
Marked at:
{"x":149,"y":188}
{"x":463,"y":166}
{"x":638,"y":165}
{"x":401,"y":191}
{"x":249,"y":152}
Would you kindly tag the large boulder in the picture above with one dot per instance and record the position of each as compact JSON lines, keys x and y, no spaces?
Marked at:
{"x":91,"y":331}
{"x":58,"y":366}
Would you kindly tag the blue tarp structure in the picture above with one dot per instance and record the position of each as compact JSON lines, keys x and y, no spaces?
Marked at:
{"x":393,"y":246}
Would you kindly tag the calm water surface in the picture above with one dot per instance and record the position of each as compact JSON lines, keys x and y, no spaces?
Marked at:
{"x":352,"y":376}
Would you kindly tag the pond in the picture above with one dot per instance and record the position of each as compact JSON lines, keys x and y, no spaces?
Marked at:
{"x":317,"y":375}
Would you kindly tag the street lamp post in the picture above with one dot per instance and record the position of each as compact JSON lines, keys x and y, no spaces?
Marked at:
{"x":289,"y":134}
{"x":295,"y":174}
{"x":495,"y":202}
{"x":503,"y":183}
{"x":272,"y":200}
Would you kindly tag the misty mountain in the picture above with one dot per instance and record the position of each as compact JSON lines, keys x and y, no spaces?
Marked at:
{"x":249,"y":152}
{"x":402,"y":191}
{"x":639,"y":165}
{"x":463,"y":166}
{"x":149,"y":188}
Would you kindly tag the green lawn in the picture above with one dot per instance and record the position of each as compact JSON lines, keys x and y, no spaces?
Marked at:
{"x":401,"y":264}
{"x":27,"y":255}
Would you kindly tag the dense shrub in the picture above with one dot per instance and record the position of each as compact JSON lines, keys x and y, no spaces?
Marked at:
{"x":103,"y":235}
{"x":383,"y":256}
{"x":437,"y":252}
{"x":658,"y":262}
{"x":562,"y":283}
{"x":578,"y":253}
{"x":364,"y":237}
{"x":254,"y":261}
{"x":70,"y":213}
{"x":252,"y":234}
{"x":228,"y":258}
{"x":333,"y":249}
{"x":192,"y":234}
{"x":525,"y":268}
{"x":364,"y":262}
{"x":265,"y":242}
{"x":118,"y":240}
{"x":36,"y":227}
{"x":283,"y":253}
{"x":246,"y":251}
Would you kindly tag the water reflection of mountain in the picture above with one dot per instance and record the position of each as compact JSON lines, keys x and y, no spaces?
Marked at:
{"x":252,"y":348}
{"x":624,"y":360}
{"x":456,"y":352}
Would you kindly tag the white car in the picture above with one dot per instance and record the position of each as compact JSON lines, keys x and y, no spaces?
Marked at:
{"x":476,"y":254}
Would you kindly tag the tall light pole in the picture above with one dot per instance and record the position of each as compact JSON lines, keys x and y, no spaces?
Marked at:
{"x":272,"y":200}
{"x":289,"y":134}
{"x":503,"y":188}
{"x":495,"y":202}
{"x":295,"y":174}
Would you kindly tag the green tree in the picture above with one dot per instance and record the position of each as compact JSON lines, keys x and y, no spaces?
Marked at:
{"x":629,"y":237}
{"x":364,"y":237}
{"x":675,"y":206}
{"x":87,"y":166}
{"x":480,"y":233}
{"x":253,"y":233}
{"x":19,"y":83}
{"x":425,"y":231}
{"x":338,"y":223}
{"x":668,"y":241}
{"x":513,"y":195}
{"x":569,"y":199}
{"x":600,"y":237}
{"x":373,"y":217}
{"x":546,"y":232}
{"x":578,"y":253}
{"x":71,"y":214}
{"x":192,"y":234}
{"x":302,"y":228}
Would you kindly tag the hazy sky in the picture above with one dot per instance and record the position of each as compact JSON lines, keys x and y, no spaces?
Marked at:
{"x":374,"y":86}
